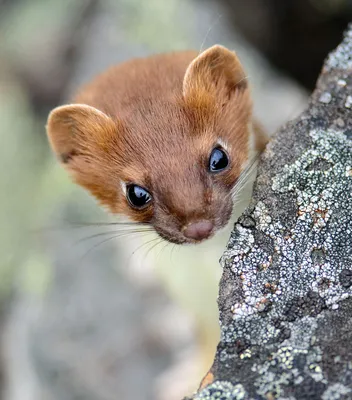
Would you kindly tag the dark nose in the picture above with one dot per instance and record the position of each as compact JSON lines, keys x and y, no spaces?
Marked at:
{"x":199,"y":230}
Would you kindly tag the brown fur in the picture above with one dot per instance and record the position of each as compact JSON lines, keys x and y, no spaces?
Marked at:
{"x":154,"y":122}
{"x":207,"y":380}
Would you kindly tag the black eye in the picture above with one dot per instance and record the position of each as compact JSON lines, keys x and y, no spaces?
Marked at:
{"x":218,"y":160}
{"x":137,"y":196}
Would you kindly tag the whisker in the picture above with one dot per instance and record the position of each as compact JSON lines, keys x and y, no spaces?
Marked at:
{"x":245,"y":78}
{"x":208,"y":32}
{"x":142,"y":245}
{"x":162,"y":249}
{"x":176,"y":248}
{"x":81,"y":225}
{"x":110,"y":223}
{"x":145,"y":244}
{"x":172,"y":251}
{"x":152,"y":247}
{"x":249,"y":169}
{"x":74,"y":225}
{"x":251,"y":163}
{"x":100,"y":243}
{"x":126,"y":232}
{"x":245,"y":176}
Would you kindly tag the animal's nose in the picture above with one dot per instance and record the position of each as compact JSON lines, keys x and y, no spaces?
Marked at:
{"x":199,"y":230}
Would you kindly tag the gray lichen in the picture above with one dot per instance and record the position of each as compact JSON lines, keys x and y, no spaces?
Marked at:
{"x":341,"y":58}
{"x":285,"y":296}
{"x":310,"y":260}
{"x":222,"y":391}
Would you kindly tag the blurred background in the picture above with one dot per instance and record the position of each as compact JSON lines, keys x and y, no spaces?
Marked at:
{"x":83,"y":316}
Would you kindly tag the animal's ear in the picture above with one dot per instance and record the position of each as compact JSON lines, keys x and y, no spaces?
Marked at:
{"x":76,"y":130}
{"x":216,"y":71}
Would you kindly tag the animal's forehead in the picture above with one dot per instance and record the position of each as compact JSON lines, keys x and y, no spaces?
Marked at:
{"x":165,"y":141}
{"x":156,"y":115}
{"x":166,"y":131}
{"x":160,"y":163}
{"x":159,"y":158}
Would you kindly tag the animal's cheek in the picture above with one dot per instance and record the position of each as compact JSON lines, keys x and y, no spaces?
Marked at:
{"x":168,"y":224}
{"x":143,"y":216}
{"x":229,"y":178}
{"x":221,"y":205}
{"x":170,"y":235}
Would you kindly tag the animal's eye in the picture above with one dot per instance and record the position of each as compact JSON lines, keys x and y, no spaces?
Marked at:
{"x":137,"y":196}
{"x":218,"y":160}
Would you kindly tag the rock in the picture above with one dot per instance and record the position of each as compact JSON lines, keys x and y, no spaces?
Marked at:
{"x":285,"y":295}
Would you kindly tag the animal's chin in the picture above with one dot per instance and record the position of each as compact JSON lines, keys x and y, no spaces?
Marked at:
{"x":175,"y":238}
{"x":178,"y":235}
{"x":198,"y":241}
{"x":180,"y":239}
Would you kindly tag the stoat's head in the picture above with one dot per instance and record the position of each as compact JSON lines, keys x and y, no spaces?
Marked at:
{"x":172,"y":161}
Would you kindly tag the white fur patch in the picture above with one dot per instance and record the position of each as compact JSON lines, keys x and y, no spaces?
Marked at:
{"x":123,"y":187}
{"x":223,"y":144}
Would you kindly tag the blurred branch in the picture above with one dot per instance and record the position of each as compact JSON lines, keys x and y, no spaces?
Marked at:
{"x":285,"y":295}
{"x":294,"y":35}
{"x":46,"y":85}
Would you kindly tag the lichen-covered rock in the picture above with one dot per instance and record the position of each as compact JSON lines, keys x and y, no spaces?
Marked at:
{"x":285,"y":296}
